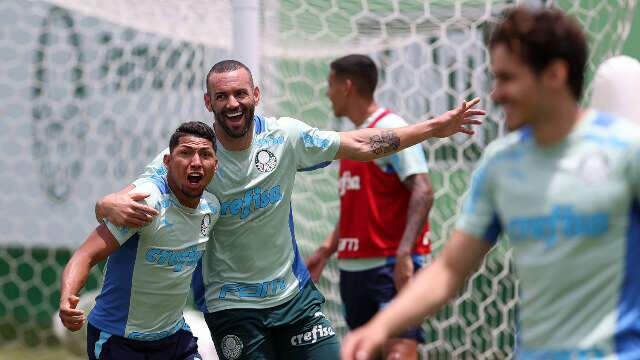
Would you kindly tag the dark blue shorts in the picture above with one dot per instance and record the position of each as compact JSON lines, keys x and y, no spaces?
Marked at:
{"x":181,"y":345}
{"x":365,"y":292}
{"x":294,"y":330}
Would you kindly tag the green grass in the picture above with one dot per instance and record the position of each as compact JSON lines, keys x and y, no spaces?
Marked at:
{"x":19,"y":352}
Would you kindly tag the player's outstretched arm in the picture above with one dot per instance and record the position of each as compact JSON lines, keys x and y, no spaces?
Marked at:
{"x":318,"y":260}
{"x":123,"y":209}
{"x":372,"y":143}
{"x":98,"y":245}
{"x":431,"y":289}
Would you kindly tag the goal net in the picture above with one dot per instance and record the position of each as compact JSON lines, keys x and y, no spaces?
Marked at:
{"x":92,"y":90}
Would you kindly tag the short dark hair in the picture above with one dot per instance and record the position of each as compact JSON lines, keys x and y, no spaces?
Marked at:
{"x":540,"y":36}
{"x":227,"y":66}
{"x":360,"y":69}
{"x":193,"y":128}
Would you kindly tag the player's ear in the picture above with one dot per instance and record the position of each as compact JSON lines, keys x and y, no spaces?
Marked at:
{"x":207,"y":101}
{"x":556,"y":74}
{"x":348,"y":86}
{"x":256,"y":94}
{"x":166,"y":159}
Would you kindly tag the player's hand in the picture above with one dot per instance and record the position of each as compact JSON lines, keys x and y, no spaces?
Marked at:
{"x":123,"y":209}
{"x":403,"y":271}
{"x":364,"y":343}
{"x":71,"y":318}
{"x":455,"y":121}
{"x":316,"y":263}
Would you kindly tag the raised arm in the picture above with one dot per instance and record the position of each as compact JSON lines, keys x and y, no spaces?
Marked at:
{"x":372,"y":143}
{"x":432,"y":288}
{"x":98,"y":245}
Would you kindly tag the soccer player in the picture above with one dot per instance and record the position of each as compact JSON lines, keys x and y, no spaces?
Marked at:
{"x":565,"y":188}
{"x":138,"y":314}
{"x":256,"y":294}
{"x":381,"y":235}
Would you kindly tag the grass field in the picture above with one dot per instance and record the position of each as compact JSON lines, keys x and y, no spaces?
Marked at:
{"x":15,"y":352}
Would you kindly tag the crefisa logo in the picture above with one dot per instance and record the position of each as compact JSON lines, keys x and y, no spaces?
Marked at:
{"x":316,"y":334}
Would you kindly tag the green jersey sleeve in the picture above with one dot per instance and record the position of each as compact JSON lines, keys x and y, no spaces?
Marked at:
{"x":124,"y":233}
{"x":313,"y":148}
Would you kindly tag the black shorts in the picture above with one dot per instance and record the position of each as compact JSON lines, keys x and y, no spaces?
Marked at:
{"x":103,"y":346}
{"x":365,"y":292}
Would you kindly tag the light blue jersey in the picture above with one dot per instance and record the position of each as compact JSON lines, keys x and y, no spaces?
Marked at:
{"x":572,"y":214}
{"x":253,"y":259}
{"x":147,"y":280}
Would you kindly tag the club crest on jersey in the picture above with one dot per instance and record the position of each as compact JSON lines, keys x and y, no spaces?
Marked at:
{"x":266,"y":161}
{"x":231,"y":347}
{"x":204,"y":225}
{"x":594,"y":168}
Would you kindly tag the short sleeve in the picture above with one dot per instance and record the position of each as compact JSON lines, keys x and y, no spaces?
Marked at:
{"x":155,"y":167}
{"x":478,"y":216}
{"x":313,"y":148}
{"x":124,"y":233}
{"x":410,"y":161}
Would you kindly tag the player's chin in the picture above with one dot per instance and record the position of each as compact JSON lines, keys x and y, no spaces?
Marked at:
{"x":193,"y":190}
{"x":513,"y":120}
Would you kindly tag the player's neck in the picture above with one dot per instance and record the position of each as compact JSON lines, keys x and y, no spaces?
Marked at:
{"x":361,"y":110}
{"x":555,"y":124}
{"x":231,"y":143}
{"x":187,"y":201}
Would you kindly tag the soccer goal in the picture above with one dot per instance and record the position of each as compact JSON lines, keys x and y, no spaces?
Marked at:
{"x":92,"y":89}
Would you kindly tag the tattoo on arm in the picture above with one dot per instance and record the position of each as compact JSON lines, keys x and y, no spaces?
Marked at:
{"x":387,"y":142}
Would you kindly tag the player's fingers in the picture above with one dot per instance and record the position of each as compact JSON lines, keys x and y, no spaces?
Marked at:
{"x":140,"y":216}
{"x":73,"y":301}
{"x":472,"y":122}
{"x":136,"y":196}
{"x":69,"y":312}
{"x":465,"y":130}
{"x":362,"y":351}
{"x":73,"y":326}
{"x":145,"y":209}
{"x":472,"y":103}
{"x":472,"y":112}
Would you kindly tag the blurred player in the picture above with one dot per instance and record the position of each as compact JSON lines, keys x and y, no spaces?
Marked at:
{"x":565,"y":188}
{"x":616,"y":86}
{"x":384,"y":207}
{"x":256,"y":294}
{"x":138,"y":314}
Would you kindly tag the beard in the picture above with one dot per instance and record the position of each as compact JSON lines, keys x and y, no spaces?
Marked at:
{"x":247,"y":115}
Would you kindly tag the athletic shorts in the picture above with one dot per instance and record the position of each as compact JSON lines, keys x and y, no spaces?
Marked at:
{"x":103,"y":346}
{"x":365,"y":292}
{"x":296,"y":329}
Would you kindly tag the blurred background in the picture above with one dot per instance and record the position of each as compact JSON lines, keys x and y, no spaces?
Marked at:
{"x":90,"y":91}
